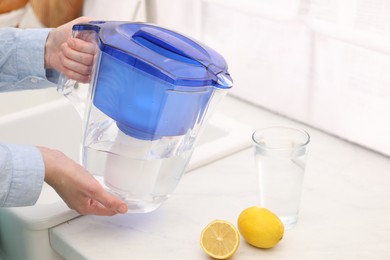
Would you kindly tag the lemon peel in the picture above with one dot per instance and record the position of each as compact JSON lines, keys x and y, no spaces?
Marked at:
{"x":260,"y":227}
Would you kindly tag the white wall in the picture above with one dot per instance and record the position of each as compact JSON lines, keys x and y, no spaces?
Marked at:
{"x":323,"y":62}
{"x":117,"y":10}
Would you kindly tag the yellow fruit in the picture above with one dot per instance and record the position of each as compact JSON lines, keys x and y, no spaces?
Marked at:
{"x":220,"y":239}
{"x":260,"y":227}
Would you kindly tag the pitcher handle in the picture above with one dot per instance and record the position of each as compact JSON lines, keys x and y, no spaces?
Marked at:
{"x":76,"y":92}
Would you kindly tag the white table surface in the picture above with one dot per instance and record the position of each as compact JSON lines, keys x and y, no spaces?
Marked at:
{"x":345,"y":207}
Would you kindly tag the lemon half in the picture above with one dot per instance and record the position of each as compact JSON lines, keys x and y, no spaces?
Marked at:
{"x":220,"y":239}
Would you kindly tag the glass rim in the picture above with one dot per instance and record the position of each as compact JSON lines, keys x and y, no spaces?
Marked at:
{"x":291,"y":128}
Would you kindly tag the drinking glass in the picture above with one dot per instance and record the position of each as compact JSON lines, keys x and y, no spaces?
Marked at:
{"x":280,"y":156}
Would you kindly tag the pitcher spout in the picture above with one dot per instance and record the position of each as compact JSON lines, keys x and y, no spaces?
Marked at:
{"x":224,"y":80}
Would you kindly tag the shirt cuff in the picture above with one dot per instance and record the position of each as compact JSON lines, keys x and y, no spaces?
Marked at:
{"x":32,"y":58}
{"x":25,"y":171}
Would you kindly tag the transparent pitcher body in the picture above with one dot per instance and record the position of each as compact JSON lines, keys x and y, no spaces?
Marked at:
{"x":139,"y":133}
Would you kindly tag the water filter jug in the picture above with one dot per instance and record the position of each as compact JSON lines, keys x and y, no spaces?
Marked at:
{"x":151,"y":92}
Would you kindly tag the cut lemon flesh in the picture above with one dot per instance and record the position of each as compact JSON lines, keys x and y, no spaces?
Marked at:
{"x":220,"y":239}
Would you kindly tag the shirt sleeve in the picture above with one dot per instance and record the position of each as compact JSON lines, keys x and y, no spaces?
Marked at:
{"x":22,"y":174}
{"x":22,"y":59}
{"x":22,"y":168}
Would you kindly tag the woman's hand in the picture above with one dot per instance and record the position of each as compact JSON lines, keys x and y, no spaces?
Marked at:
{"x":71,"y":56}
{"x":77,"y":187}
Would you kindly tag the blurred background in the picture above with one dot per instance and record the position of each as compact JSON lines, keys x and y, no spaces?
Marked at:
{"x":325,"y":63}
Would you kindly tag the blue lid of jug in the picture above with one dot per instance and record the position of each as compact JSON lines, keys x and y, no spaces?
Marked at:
{"x":162,"y":53}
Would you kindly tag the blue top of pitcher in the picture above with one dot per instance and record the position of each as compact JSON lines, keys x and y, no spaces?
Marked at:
{"x":162,"y":53}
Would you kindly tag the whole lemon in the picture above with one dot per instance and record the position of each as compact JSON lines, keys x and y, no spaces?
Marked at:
{"x":260,"y":227}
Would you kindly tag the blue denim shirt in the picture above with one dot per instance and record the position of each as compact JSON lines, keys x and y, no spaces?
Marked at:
{"x":22,"y":168}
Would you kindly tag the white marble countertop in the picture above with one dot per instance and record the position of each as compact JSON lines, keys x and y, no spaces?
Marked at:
{"x":345,"y":208}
